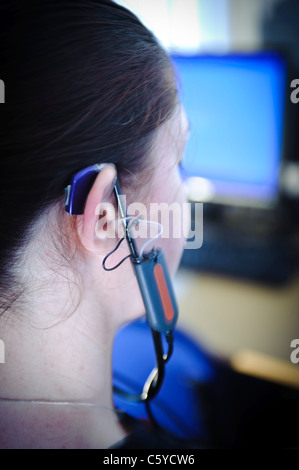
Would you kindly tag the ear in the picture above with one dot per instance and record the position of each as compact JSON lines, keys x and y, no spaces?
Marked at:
{"x":94,"y":229}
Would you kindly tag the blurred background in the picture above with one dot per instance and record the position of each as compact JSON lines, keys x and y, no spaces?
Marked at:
{"x":239,"y":292}
{"x":241,"y":288}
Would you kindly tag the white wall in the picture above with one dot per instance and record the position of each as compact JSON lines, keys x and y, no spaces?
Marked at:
{"x":203,"y":25}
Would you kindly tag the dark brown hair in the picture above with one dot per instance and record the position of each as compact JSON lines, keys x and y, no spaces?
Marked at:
{"x":85,"y":82}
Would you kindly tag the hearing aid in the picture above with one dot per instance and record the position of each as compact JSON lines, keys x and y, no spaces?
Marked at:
{"x":152,"y":276}
{"x":150,"y":269}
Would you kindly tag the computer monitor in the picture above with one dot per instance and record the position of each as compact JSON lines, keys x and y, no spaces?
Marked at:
{"x":235,"y":103}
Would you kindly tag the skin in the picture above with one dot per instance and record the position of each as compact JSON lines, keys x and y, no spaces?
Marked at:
{"x":59,"y":346}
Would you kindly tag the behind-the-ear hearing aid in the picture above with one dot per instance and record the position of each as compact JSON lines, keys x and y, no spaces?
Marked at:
{"x":151,"y":273}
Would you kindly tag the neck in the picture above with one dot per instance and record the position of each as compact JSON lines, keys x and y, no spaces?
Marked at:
{"x":58,"y":375}
{"x":58,"y":348}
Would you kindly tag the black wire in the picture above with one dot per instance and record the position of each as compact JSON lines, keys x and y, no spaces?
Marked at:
{"x":157,"y":372}
{"x":111,"y":252}
{"x":155,"y":385}
{"x":160,"y":404}
{"x":169,"y":339}
{"x":158,"y":377}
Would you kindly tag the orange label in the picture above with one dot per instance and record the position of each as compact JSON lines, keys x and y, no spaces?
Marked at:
{"x":163,"y":291}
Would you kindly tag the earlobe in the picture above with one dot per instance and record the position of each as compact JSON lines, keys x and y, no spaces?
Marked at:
{"x":96,"y":225}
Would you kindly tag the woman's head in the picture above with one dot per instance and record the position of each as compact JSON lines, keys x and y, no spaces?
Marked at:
{"x":86,"y":83}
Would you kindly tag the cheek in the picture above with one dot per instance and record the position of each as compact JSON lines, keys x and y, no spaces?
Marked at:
{"x":175,"y":221}
{"x":173,"y":251}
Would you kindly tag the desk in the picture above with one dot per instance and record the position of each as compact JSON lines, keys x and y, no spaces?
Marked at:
{"x":230,"y":316}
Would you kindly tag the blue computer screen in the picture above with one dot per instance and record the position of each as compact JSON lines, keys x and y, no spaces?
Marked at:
{"x":235,"y":104}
